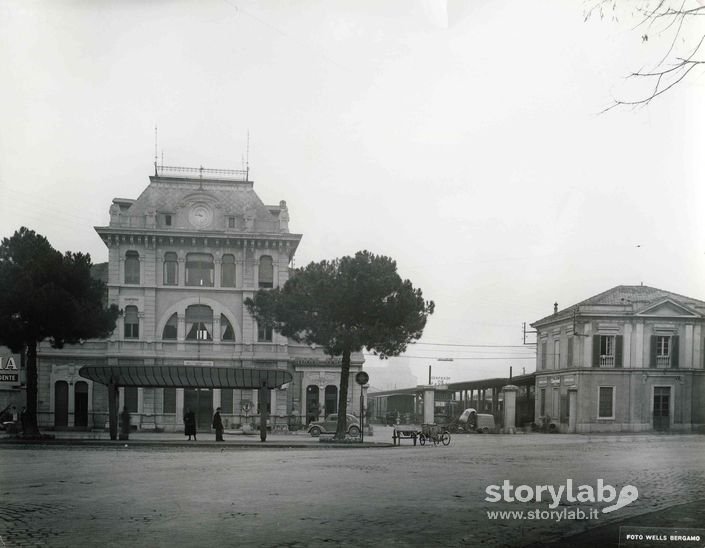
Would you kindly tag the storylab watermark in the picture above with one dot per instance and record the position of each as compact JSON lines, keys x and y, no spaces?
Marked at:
{"x":567,"y":494}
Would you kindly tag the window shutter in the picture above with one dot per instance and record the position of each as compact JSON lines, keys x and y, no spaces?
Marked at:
{"x":652,"y":362}
{"x":596,"y":350}
{"x":619,"y":350}
{"x":674,"y":351}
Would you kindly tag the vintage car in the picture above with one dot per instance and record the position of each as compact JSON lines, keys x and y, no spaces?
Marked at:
{"x":472,"y":421}
{"x":330,"y":423}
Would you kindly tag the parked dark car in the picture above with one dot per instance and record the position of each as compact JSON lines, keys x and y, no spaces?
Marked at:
{"x":330,"y":423}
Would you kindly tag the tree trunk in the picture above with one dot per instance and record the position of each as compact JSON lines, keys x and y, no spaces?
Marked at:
{"x":31,"y":411}
{"x":341,"y":428}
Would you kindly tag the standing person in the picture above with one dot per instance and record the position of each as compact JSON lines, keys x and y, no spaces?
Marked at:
{"x":218,"y":425}
{"x":23,"y":419}
{"x":124,"y":424}
{"x":190,"y":425}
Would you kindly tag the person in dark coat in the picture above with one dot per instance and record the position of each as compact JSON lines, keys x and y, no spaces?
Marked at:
{"x":124,"y":424}
{"x":24,"y":420}
{"x":218,"y":425}
{"x":190,"y":424}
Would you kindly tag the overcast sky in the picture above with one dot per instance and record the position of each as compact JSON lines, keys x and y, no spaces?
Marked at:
{"x":460,"y":138}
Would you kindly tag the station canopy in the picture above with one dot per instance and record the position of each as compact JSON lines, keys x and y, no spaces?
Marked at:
{"x":185,"y":376}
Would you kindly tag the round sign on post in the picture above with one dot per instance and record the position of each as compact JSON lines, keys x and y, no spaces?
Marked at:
{"x":362,"y":378}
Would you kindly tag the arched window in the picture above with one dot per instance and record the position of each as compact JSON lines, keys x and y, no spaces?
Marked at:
{"x":227,"y":271}
{"x":199,"y":323}
{"x":171,"y":269}
{"x":170,"y":329}
{"x":226,"y":329}
{"x":132,"y":267}
{"x":266,"y":272}
{"x":132,"y":323}
{"x":199,"y":269}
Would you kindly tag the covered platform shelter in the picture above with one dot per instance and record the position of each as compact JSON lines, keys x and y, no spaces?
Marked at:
{"x":475,"y":394}
{"x":184,"y":376}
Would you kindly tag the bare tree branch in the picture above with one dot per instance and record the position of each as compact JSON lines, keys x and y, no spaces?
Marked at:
{"x":663,"y":17}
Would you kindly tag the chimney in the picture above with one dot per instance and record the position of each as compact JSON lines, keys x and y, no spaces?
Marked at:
{"x":555,"y":308}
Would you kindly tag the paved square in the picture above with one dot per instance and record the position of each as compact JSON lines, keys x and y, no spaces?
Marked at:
{"x":177,"y":495}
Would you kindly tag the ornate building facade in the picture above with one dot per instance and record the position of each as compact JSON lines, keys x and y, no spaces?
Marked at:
{"x":182,"y":259}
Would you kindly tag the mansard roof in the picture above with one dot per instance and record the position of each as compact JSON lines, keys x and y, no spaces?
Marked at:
{"x":628,"y":300}
{"x":212,"y":206}
{"x":233,"y":198}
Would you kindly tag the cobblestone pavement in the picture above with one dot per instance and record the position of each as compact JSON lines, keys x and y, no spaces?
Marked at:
{"x":230,"y":495}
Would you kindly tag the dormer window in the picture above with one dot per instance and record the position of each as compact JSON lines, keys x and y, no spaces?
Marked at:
{"x":231,"y":222}
{"x":167,"y":220}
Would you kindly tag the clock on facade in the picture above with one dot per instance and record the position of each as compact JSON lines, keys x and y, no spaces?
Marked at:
{"x":200,"y":216}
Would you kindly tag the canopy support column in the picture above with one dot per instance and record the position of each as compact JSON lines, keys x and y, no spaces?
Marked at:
{"x":264,"y":399}
{"x":113,"y":395}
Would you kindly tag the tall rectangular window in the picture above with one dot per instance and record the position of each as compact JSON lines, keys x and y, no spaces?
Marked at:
{"x":132,"y":267}
{"x":132,"y":323}
{"x":266,"y":272}
{"x":199,"y":269}
{"x":544,"y":350}
{"x":226,"y":400}
{"x":227,"y":271}
{"x":169,"y":404}
{"x":556,"y":401}
{"x":606,"y":351}
{"x":171,"y":269}
{"x":131,"y":398}
{"x":556,"y":354}
{"x":542,"y":402}
{"x":605,"y":403}
{"x":264,"y":333}
{"x":663,"y":351}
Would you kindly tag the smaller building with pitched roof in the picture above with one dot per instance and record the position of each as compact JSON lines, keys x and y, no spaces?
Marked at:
{"x":629,"y":359}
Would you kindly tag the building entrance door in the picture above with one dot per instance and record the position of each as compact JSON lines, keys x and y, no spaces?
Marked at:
{"x":331,"y":399}
{"x":61,"y":404}
{"x":200,"y":401}
{"x":662,"y":408}
{"x":311,"y":403}
{"x":80,"y":405}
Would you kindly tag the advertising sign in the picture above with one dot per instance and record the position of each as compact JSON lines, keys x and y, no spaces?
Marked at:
{"x":9,"y":372}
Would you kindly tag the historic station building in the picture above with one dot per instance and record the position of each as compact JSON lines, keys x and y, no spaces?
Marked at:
{"x":629,"y":359}
{"x":183,"y":257}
